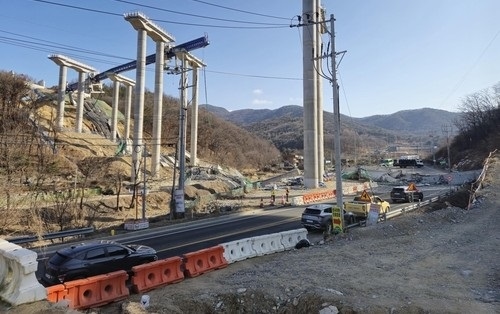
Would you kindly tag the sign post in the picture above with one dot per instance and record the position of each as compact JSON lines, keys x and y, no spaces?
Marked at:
{"x":337,"y":220}
{"x":373,"y":214}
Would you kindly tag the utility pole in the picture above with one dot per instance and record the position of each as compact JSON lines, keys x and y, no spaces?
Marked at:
{"x":331,"y":76}
{"x":336,"y":124}
{"x":446,"y":129}
{"x":144,"y":189}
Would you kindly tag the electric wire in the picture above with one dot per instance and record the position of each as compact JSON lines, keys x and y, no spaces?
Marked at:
{"x":196,"y":15}
{"x":164,"y":21}
{"x":474,"y":64}
{"x":242,"y":11}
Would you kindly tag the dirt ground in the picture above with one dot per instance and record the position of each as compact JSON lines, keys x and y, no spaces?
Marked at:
{"x":441,"y":261}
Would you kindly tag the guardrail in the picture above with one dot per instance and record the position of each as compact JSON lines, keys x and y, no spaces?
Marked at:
{"x":50,"y":236}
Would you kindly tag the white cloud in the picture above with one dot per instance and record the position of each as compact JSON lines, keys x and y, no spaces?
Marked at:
{"x":258,"y":91}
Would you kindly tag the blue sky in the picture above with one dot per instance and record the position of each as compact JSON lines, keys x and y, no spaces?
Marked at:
{"x":400,"y":54}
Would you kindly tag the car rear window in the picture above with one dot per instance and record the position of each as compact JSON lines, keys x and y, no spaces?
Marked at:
{"x":312,"y":211}
{"x":399,"y":190}
{"x":58,"y":259}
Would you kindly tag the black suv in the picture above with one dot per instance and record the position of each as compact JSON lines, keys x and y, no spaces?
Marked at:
{"x":405,"y":194}
{"x":319,"y":217}
{"x":94,"y":258}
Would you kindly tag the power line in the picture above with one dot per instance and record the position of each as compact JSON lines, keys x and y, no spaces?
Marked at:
{"x":42,"y":47}
{"x":196,"y":15}
{"x":474,"y":64}
{"x":258,"y":76}
{"x":167,"y":21}
{"x":54,"y":44}
{"x":242,"y":11}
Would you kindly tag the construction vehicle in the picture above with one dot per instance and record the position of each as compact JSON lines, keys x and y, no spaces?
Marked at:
{"x":360,"y":205}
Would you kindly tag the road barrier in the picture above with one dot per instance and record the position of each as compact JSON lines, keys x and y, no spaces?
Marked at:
{"x":267,"y":244}
{"x":56,"y":293}
{"x":97,"y":290}
{"x":54,"y":235}
{"x":238,"y":250}
{"x":290,"y":238}
{"x":202,"y":261}
{"x":297,"y":201}
{"x":18,"y":283}
{"x":157,"y":274}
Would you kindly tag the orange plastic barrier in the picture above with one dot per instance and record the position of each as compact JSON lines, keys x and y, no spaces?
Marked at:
{"x":156,"y":274}
{"x":56,"y":293}
{"x":97,"y":291}
{"x":305,"y":198}
{"x":202,"y":261}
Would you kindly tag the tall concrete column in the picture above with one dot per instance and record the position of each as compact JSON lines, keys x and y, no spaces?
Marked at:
{"x":114,"y":110}
{"x":144,"y":28}
{"x":117,"y":80}
{"x":311,"y":177}
{"x":128,"y":107}
{"x":140,"y":79}
{"x":157,"y":110}
{"x":63,"y":71}
{"x":79,"y":104}
{"x":319,"y":96}
{"x":64,"y":63}
{"x":194,"y":119}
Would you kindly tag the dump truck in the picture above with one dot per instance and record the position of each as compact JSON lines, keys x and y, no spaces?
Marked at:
{"x":360,"y":205}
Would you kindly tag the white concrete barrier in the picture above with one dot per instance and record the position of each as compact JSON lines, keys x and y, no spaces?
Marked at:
{"x":267,"y":244}
{"x":238,"y":250}
{"x":297,"y":201}
{"x":17,"y":275}
{"x":291,"y":237}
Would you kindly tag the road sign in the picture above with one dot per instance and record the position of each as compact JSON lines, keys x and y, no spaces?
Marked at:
{"x":337,"y":220}
{"x":373,"y":214}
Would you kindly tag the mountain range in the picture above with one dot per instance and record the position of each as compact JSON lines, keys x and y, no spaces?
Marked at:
{"x":284,"y":127}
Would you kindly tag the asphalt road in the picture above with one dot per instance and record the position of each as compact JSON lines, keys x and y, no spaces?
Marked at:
{"x":175,"y":240}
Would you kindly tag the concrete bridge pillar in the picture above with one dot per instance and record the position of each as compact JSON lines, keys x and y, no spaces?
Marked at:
{"x":114,"y":110}
{"x":63,"y":72}
{"x":117,"y":80}
{"x":79,"y":103}
{"x":319,"y":95}
{"x":194,"y":119}
{"x":144,"y":28}
{"x":82,"y":69}
{"x":157,"y":109}
{"x":311,"y":177}
{"x":128,"y":107}
{"x":189,"y":63}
